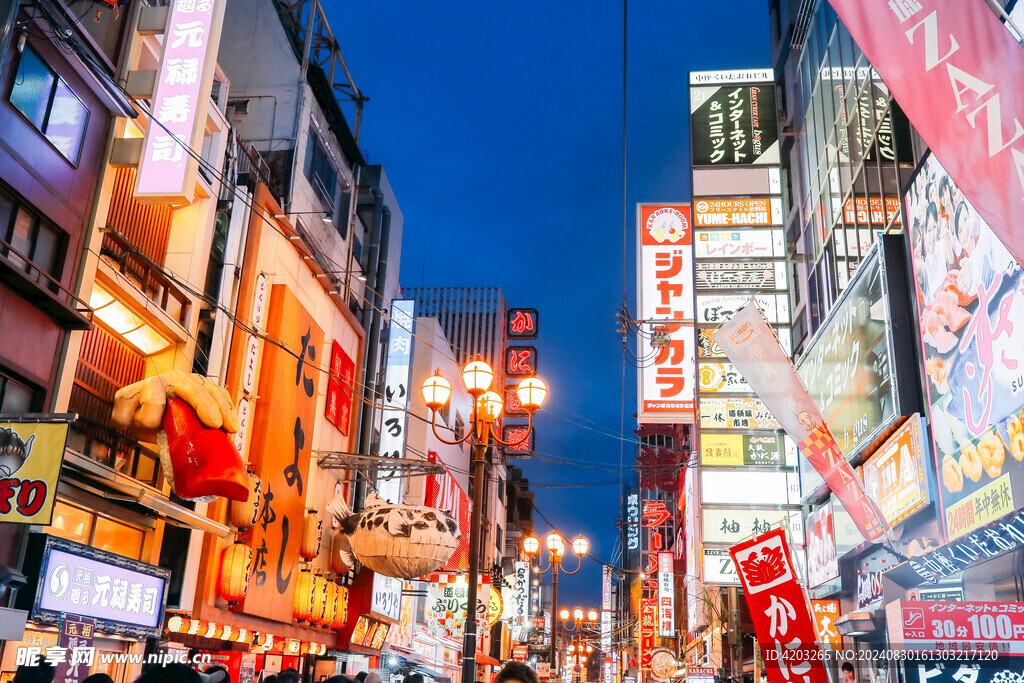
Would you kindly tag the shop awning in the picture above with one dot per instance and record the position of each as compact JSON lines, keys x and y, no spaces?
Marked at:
{"x":481,"y":658}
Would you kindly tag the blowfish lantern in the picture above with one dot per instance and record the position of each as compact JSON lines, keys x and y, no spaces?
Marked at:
{"x":401,"y":541}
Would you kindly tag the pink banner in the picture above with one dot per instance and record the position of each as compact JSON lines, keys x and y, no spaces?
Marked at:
{"x":956,"y":72}
{"x":750,"y":344}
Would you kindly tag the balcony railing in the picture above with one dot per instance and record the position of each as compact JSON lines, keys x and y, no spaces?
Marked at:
{"x":43,"y":290}
{"x":146,"y":275}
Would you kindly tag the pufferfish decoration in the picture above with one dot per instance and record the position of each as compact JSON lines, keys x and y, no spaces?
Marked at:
{"x":401,"y":541}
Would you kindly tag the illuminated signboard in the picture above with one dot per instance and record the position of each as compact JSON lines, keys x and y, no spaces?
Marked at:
{"x":523,"y":323}
{"x":754,"y":486}
{"x":894,"y":476}
{"x":752,"y":244}
{"x":168,"y":167}
{"x":733,"y":125}
{"x":736,"y":450}
{"x":853,"y":365}
{"x":717,"y":308}
{"x":513,"y":407}
{"x":338,"y":406}
{"x":707,"y":347}
{"x":730,"y":526}
{"x":666,"y":596}
{"x":396,"y":396}
{"x":822,"y":560}
{"x":872,"y":210}
{"x":520,"y":361}
{"x":32,"y":454}
{"x":721,"y":378}
{"x":521,"y":438}
{"x":753,"y":275}
{"x":666,"y":384}
{"x":738,"y":212}
{"x":735,"y":413}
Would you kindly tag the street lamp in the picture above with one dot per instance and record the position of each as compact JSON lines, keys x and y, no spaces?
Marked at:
{"x":556,"y":551}
{"x":477,"y":375}
{"x":581,"y":621}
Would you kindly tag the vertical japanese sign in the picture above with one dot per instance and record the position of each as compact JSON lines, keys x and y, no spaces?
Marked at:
{"x":338,"y":407}
{"x":443,"y":492}
{"x":648,"y":631}
{"x":666,"y":384}
{"x":733,"y":124}
{"x":76,"y":635}
{"x":971,"y":312}
{"x":523,"y":323}
{"x":825,"y":613}
{"x":516,"y":596}
{"x":751,"y":345}
{"x":606,"y":621}
{"x":184,"y":81}
{"x":251,"y":360}
{"x":955,"y":70}
{"x":783,"y":625}
{"x":396,"y":397}
{"x":666,"y":596}
{"x":282,"y":441}
{"x":633,"y":523}
{"x":660,"y":523}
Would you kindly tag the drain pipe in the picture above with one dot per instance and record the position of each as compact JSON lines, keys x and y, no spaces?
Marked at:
{"x":377,"y":269}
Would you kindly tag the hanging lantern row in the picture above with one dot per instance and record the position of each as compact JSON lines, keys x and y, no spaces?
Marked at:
{"x":266,"y":641}
{"x":243,"y":515}
{"x":319,"y":601}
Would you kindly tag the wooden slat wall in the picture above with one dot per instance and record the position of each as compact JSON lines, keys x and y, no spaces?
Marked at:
{"x":148,"y":226}
{"x":105,"y":364}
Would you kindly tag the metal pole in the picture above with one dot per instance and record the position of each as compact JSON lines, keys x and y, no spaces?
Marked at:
{"x":469,"y":641}
{"x":554,"y":617}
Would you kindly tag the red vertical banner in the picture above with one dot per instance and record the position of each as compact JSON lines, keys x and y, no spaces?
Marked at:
{"x":782,"y":622}
{"x":648,"y":630}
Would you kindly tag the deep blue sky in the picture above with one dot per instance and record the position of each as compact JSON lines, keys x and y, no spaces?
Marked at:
{"x":499,"y":124}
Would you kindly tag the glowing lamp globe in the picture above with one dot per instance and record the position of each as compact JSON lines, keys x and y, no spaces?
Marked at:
{"x":563,"y":613}
{"x":572,"y":648}
{"x":489,"y":406}
{"x":590,"y":648}
{"x":592,"y":615}
{"x":531,"y":545}
{"x":580,"y":545}
{"x":436,"y":391}
{"x":532,"y":391}
{"x":477,"y":376}
{"x":555,"y":543}
{"x":577,"y":614}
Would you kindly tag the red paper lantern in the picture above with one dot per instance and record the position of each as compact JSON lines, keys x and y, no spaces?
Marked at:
{"x":235,"y":569}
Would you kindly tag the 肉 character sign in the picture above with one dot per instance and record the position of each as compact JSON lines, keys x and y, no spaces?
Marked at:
{"x":783,"y":624}
{"x":667,"y":384}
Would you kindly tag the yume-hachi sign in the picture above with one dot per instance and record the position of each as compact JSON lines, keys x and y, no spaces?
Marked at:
{"x":736,"y":212}
{"x":957,"y":626}
{"x":168,"y":167}
{"x":782,"y":622}
{"x":31,"y":455}
{"x":667,"y":384}
{"x":751,"y":345}
{"x":956,"y":72}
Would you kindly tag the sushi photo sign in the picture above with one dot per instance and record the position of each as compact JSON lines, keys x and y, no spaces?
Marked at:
{"x":31,"y":455}
{"x":971,"y":313}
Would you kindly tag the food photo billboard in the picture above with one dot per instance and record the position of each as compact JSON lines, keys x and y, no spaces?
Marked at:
{"x":970,"y":314}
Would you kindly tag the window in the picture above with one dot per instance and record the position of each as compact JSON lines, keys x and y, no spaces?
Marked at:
{"x":27,"y":238}
{"x":16,"y":397}
{"x":499,"y":540}
{"x":86,"y":527}
{"x":320,"y":171}
{"x":50,"y":105}
{"x":501,"y":489}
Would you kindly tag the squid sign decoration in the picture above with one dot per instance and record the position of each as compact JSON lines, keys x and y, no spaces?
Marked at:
{"x":401,"y":541}
{"x":189,"y":418}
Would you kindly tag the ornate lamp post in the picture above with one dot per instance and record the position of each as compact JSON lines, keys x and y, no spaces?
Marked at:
{"x":579,"y":648}
{"x":477,"y":375}
{"x":556,"y":551}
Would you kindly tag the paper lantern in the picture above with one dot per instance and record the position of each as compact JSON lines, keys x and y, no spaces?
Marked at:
{"x":401,"y":541}
{"x":178,"y":624}
{"x":312,"y":529}
{"x":235,"y":569}
{"x":302,"y":607}
{"x":196,"y":627}
{"x":330,"y":605}
{"x":227,"y":633}
{"x":266,"y":641}
{"x":212,"y":630}
{"x":341,"y":609}
{"x":243,"y":636}
{"x":340,"y":549}
{"x":319,"y":600}
{"x":243,"y":515}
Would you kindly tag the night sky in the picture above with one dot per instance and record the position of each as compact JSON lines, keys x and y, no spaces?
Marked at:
{"x":499,"y":125}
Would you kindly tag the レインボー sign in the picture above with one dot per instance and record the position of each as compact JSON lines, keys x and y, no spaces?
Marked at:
{"x":778,"y":609}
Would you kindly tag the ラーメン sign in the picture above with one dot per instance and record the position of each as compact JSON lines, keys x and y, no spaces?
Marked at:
{"x":666,"y":384}
{"x":31,"y":455}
